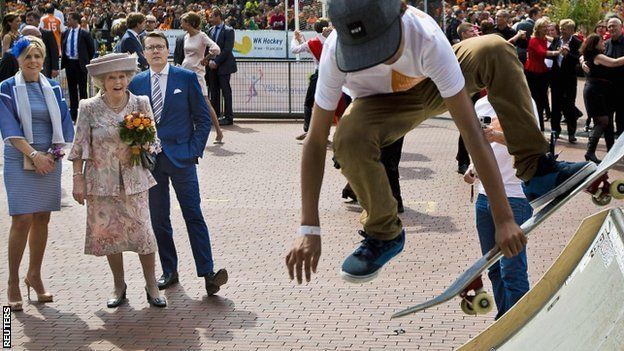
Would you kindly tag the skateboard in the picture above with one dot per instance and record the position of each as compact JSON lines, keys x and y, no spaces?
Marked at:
{"x":478,"y":303}
{"x":597,"y":184}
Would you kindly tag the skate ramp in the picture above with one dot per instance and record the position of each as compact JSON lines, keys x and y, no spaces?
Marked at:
{"x":578,"y":304}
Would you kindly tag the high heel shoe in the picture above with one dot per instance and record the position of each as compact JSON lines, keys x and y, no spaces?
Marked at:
{"x":117,"y":301}
{"x":18,"y":304}
{"x":43,"y":298}
{"x":156,"y":302}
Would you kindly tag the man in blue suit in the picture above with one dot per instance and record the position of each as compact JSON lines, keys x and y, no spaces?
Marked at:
{"x":131,"y":40}
{"x":183,"y":123}
{"x":221,"y":67}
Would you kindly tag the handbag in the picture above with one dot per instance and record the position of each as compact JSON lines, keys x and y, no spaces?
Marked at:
{"x":148,"y":160}
{"x":29,"y":165}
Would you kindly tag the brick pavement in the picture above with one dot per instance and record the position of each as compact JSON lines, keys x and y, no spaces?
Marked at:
{"x":250,"y":193}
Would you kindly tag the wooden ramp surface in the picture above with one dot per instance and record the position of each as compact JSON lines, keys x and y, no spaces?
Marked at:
{"x":579,"y":302}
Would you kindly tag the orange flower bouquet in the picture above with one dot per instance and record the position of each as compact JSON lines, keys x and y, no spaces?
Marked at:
{"x":139,"y":131}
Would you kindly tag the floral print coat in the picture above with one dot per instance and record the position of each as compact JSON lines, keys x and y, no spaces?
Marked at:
{"x":108,"y":167}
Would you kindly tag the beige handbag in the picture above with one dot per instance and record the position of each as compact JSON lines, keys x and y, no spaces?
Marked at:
{"x":29,"y":165}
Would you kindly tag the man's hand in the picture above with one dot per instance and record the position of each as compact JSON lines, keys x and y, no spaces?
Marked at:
{"x":327,"y":31}
{"x":212,"y":64}
{"x":493,"y":136}
{"x":565,"y":50}
{"x":584,"y":64}
{"x":305,"y":253}
{"x":54,"y":73}
{"x":510,"y":238}
{"x":471,"y":175}
{"x":522,"y":34}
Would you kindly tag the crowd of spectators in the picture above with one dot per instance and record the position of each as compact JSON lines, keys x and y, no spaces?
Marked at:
{"x":239,"y":14}
{"x":106,"y":19}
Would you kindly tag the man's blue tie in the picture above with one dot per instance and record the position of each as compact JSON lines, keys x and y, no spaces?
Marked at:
{"x":72,"y":47}
{"x":217,"y":31}
{"x":157,"y":97}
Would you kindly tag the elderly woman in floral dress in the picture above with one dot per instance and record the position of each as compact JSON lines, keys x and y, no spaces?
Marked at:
{"x":116,"y":190}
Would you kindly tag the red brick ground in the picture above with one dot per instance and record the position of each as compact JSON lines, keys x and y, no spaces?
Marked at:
{"x":250,"y":192}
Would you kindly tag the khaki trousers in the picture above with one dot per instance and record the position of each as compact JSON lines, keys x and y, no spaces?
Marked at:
{"x":373,"y":122}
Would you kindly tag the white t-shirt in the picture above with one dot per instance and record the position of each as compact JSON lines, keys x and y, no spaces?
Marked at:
{"x":297,"y":48}
{"x":427,"y":54}
{"x":513,"y":185}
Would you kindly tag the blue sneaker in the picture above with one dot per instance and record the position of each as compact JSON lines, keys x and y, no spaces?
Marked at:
{"x":554,"y":178}
{"x":366,"y":261}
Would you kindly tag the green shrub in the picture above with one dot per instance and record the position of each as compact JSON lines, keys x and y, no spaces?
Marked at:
{"x":585,"y":13}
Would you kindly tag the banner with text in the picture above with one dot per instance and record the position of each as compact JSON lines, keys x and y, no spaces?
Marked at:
{"x":265,"y":44}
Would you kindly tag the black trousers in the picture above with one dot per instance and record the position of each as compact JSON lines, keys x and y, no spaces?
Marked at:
{"x":538,"y":84}
{"x":618,"y":106}
{"x":309,"y":101}
{"x":390,"y":157}
{"x":76,"y":84}
{"x":463,"y":158}
{"x":220,"y":84}
{"x":563,"y":96}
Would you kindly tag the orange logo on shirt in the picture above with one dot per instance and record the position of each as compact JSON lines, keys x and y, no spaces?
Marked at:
{"x":401,"y":82}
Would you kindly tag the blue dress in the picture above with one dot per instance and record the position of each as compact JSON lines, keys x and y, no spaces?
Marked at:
{"x":28,"y":192}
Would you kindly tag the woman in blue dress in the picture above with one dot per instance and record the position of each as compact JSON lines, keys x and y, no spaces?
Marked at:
{"x":35,"y":124}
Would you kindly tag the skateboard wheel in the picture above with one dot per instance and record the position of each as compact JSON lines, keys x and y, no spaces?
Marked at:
{"x":466,"y":308}
{"x":601,"y":200}
{"x":482,"y":303}
{"x":617,"y":189}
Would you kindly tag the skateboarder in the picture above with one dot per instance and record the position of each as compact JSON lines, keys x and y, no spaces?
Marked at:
{"x":509,"y":277}
{"x":401,"y":70}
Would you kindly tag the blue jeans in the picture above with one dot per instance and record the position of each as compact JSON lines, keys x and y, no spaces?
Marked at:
{"x":509,"y":276}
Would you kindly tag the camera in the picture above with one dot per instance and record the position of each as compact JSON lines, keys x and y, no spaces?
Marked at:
{"x":485,"y":121}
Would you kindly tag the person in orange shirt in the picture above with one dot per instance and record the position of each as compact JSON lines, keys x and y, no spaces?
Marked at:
{"x":53,"y":24}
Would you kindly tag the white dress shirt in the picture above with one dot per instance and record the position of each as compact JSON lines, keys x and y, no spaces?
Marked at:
{"x":164,"y":74}
{"x":72,"y":41}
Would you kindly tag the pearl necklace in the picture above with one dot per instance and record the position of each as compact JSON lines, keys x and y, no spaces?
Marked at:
{"x":118,"y":108}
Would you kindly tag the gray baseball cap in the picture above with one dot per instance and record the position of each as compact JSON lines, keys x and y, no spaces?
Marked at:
{"x":369,"y":31}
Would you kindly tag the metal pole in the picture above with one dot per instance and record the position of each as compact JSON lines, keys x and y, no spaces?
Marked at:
{"x":286,"y":27}
{"x":324,"y":8}
{"x":290,"y":110}
{"x":296,"y":22}
{"x":286,"y":15}
{"x":296,"y":14}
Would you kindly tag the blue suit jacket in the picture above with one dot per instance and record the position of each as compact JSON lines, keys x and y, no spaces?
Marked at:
{"x":10,"y":124}
{"x":185,"y":120}
{"x":130,"y":44}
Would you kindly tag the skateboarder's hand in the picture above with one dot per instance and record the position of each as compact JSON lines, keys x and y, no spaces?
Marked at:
{"x":510,"y":238}
{"x":304,"y":256}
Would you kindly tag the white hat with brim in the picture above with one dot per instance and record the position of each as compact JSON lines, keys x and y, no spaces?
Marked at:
{"x":114,"y":62}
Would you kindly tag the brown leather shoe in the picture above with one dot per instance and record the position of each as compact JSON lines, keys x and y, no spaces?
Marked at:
{"x":214,"y":281}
